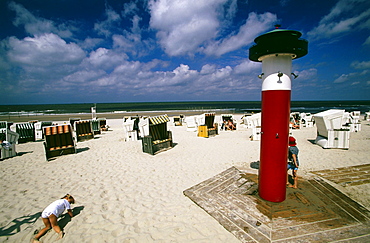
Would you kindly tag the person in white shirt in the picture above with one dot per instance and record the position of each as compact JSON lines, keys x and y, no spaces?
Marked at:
{"x":51,"y":213}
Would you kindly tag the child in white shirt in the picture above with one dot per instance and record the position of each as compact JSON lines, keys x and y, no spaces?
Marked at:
{"x":51,"y":213}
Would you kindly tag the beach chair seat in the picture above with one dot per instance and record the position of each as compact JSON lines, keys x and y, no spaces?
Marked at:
{"x":58,"y":141}
{"x":103,"y":124}
{"x":177,"y":120}
{"x":83,"y":130}
{"x":157,"y":138}
{"x":228,"y":121}
{"x":26,"y":132}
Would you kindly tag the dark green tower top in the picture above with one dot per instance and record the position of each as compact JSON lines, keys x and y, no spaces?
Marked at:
{"x":278,"y":41}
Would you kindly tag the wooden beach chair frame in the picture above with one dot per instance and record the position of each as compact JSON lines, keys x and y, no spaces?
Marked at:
{"x":58,"y":141}
{"x":26,"y":132}
{"x":159,"y":138}
{"x":83,"y":130}
{"x":210,"y":128}
{"x":11,"y":137}
{"x":95,"y":124}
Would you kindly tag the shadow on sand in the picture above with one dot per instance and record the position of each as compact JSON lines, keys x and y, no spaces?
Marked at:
{"x":15,"y":225}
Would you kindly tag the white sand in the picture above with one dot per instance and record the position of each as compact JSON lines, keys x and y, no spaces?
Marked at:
{"x":131,"y":196}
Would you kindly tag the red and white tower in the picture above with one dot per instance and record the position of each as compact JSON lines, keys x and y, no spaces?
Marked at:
{"x":275,"y":50}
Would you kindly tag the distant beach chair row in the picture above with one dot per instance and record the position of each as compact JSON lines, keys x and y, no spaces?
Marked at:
{"x":57,"y":137}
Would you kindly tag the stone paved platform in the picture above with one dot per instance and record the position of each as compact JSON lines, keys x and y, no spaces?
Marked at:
{"x":315,"y":212}
{"x":347,"y":176}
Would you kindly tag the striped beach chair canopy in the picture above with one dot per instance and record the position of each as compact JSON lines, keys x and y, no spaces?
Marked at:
{"x":155,"y":120}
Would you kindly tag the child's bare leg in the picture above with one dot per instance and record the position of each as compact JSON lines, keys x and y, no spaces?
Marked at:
{"x":54,"y":223}
{"x":43,"y":231}
{"x":295,"y":175}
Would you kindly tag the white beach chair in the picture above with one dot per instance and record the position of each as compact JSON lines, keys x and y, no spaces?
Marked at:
{"x":8,"y":143}
{"x":128,"y":128}
{"x":255,"y":120}
{"x":306,"y":119}
{"x":330,"y":131}
{"x":191,"y":124}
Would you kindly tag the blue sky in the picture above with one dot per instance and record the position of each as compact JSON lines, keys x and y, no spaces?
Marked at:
{"x":95,"y":51}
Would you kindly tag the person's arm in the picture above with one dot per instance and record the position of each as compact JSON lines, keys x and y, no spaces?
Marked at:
{"x":295,"y":159}
{"x":70,"y":213}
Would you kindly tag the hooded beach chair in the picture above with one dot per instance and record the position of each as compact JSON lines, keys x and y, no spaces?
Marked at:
{"x":131,"y":128}
{"x":209,"y":127}
{"x":83,"y":130}
{"x":58,"y":141}
{"x":255,"y":121}
{"x":330,"y":130}
{"x":26,"y":132}
{"x":8,"y":141}
{"x":156,"y":136}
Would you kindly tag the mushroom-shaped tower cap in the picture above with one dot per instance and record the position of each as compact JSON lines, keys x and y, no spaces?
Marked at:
{"x":278,"y":41}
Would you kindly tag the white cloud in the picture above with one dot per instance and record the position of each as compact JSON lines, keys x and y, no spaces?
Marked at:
{"x":44,"y":51}
{"x":36,"y":25}
{"x":184,"y":25}
{"x":187,"y":27}
{"x":107,"y":26}
{"x":344,"y":17}
{"x":254,"y":25}
{"x":341,"y":79}
{"x":247,"y":67}
{"x":83,"y":77}
{"x":367,"y":41}
{"x":105,"y":59}
{"x":361,"y":65}
{"x":90,"y":43}
{"x":207,"y":69}
{"x":308,"y":74}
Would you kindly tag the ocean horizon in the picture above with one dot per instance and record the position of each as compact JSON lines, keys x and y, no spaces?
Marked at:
{"x":213,"y":106}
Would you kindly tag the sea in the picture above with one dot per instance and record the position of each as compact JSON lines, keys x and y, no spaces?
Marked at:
{"x":236,"y":107}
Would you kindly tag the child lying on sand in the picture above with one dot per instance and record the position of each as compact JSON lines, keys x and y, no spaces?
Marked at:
{"x":51,"y":213}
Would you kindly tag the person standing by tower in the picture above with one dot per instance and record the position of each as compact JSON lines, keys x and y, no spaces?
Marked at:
{"x":293,"y":162}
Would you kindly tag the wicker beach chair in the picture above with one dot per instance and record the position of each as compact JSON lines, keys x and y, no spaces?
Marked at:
{"x":156,"y":137}
{"x":209,"y":128}
{"x":330,"y":130}
{"x":83,"y":130}
{"x":26,"y":132}
{"x":8,"y":141}
{"x":58,"y":141}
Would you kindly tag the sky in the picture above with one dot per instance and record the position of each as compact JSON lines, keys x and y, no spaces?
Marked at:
{"x":103,"y":51}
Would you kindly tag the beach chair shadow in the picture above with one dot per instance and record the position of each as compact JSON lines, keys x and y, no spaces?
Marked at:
{"x":80,"y":150}
{"x":22,"y":153}
{"x":311,"y":141}
{"x":15,"y":225}
{"x":63,"y":221}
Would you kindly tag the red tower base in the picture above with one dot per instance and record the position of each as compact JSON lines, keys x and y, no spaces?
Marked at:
{"x":274,"y":144}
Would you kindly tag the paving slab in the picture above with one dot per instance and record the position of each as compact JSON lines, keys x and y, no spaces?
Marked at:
{"x":315,"y":212}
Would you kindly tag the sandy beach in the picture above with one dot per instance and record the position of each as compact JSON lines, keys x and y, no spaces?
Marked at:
{"x":125,"y":195}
